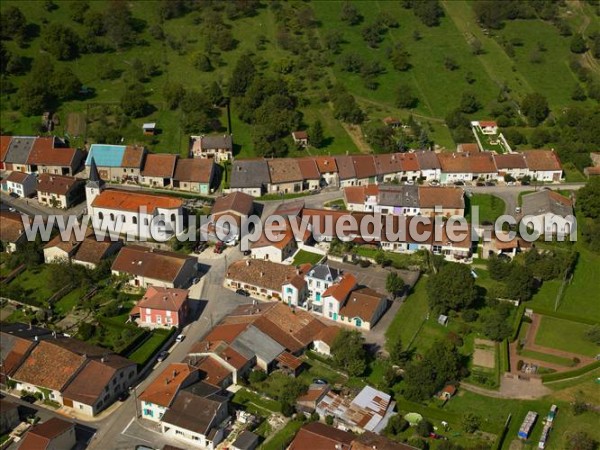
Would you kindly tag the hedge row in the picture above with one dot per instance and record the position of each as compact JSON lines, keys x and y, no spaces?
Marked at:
{"x":571,"y":373}
{"x":517,"y":322}
{"x":560,"y":315}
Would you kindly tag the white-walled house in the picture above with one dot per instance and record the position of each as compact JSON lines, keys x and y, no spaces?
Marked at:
{"x":294,"y":292}
{"x":548,"y":212}
{"x":335,"y":296}
{"x":21,"y":184}
{"x":318,"y":280}
{"x":544,"y":165}
{"x":513,"y":164}
{"x":146,"y":267}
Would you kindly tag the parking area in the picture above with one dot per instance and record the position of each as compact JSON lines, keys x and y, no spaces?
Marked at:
{"x":374,"y":276}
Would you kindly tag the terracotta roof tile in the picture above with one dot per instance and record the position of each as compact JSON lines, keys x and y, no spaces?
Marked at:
{"x":388,"y":163}
{"x":18,"y":177}
{"x":284,"y":170}
{"x":542,"y":160}
{"x":64,"y":363}
{"x":345,"y":167}
{"x":364,"y":166}
{"x":226,"y":332}
{"x":58,"y":184}
{"x":43,"y":153}
{"x":133,"y":157}
{"x":510,"y":161}
{"x":327,"y":335}
{"x":482,"y":162}
{"x":4,"y":144}
{"x":197,"y":170}
{"x":159,"y":165}
{"x":164,"y":299}
{"x":237,"y":202}
{"x":284,"y":338}
{"x":213,"y":372}
{"x":342,"y":288}
{"x":133,"y":201}
{"x":326,"y":164}
{"x":156,"y":264}
{"x":13,"y":351}
{"x":447,"y":197}
{"x":362,"y":303}
{"x":409,"y":162}
{"x":262,"y":273}
{"x":308,"y":169}
{"x":41,"y":435}
{"x":427,"y":160}
{"x":164,"y":388}
{"x":319,"y":436}
{"x":355,"y":194}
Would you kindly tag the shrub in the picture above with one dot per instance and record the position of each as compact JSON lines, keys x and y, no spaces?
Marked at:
{"x":256,"y":376}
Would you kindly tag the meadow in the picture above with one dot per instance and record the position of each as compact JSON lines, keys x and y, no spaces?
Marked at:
{"x":438,"y":88}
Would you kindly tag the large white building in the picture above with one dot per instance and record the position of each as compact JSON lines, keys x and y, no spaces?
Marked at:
{"x":132,"y":213}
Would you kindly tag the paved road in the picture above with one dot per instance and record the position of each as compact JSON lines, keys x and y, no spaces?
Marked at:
{"x":217,"y":302}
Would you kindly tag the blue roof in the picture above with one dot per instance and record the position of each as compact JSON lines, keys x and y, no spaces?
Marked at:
{"x":106,"y":155}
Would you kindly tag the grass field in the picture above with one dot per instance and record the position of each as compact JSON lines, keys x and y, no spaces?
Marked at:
{"x":66,"y":304}
{"x":149,"y":347}
{"x":304,"y":257}
{"x":283,"y":437}
{"x":565,"y":335}
{"x":34,"y":285}
{"x":410,"y":316}
{"x":490,"y":207}
{"x":548,"y":358}
{"x":578,"y":297}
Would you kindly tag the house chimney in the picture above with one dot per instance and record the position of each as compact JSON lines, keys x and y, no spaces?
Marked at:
{"x":247,"y":262}
{"x":262,"y":274}
{"x":174,"y":373}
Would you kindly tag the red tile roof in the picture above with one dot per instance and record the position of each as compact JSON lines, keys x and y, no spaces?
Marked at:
{"x":362,"y":303}
{"x":18,"y":177}
{"x":47,"y":354}
{"x":43,"y":153}
{"x":468,"y":147}
{"x":319,"y":436}
{"x":11,"y":226}
{"x":510,"y":161}
{"x":197,"y":170}
{"x":4,"y":143}
{"x":267,"y":274}
{"x":345,"y":167}
{"x":487,"y":123}
{"x":41,"y":435}
{"x":284,"y":170}
{"x":133,"y":157}
{"x":288,"y":360}
{"x":409,"y":162}
{"x":542,"y":160}
{"x":14,"y":351}
{"x":327,"y":335}
{"x":364,"y":166}
{"x":164,"y":388}
{"x":237,"y":202}
{"x":159,"y":165}
{"x":57,"y":184}
{"x":308,"y":169}
{"x":446,"y":197}
{"x":341,"y":289}
{"x":156,"y":264}
{"x":482,"y":162}
{"x":226,"y":332}
{"x":326,"y":164}
{"x":388,"y":163}
{"x":164,"y":299}
{"x":300,"y":134}
{"x":213,"y":372}
{"x":133,"y":201}
{"x":221,"y":349}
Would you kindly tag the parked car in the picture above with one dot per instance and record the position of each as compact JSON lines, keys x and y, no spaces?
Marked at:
{"x":242,"y":292}
{"x":518,"y":209}
{"x":319,"y":381}
{"x":459,"y":183}
{"x":489,"y":183}
{"x":179,"y":338}
{"x":480,"y":183}
{"x":246,"y":252}
{"x":409,"y":182}
{"x":219,"y":247}
{"x":201,"y":247}
{"x":434,"y":183}
{"x":162,"y":356}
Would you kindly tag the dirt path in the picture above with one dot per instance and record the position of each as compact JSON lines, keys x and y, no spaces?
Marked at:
{"x":512,"y":387}
{"x":356,"y":134}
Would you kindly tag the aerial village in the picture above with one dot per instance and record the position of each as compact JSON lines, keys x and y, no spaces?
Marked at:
{"x":210,"y":346}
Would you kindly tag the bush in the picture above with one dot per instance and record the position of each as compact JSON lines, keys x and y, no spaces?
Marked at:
{"x":520,"y":364}
{"x":256,"y":376}
{"x":364,"y":263}
{"x":424,"y":427}
{"x":329,"y":420}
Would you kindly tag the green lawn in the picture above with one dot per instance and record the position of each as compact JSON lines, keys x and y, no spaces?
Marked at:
{"x":304,"y":257}
{"x":578,"y":297}
{"x":399,"y":260}
{"x":283,"y":437}
{"x":339,"y":202}
{"x":253,"y":402}
{"x":410,"y":316}
{"x":490,"y":207}
{"x":144,"y":352}
{"x":548,"y":358}
{"x":33,"y":285}
{"x":565,"y":335}
{"x":66,"y":304}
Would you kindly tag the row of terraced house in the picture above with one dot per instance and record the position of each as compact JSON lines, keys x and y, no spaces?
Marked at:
{"x":257,"y":177}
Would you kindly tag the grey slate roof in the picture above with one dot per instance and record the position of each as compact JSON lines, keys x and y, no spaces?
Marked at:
{"x":19,"y":149}
{"x":254,"y":342}
{"x":247,"y":440}
{"x":192,"y":412}
{"x":252,"y":173}
{"x":324,"y":272}
{"x":216,"y":141}
{"x":392,"y":195}
{"x":546,"y":201}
